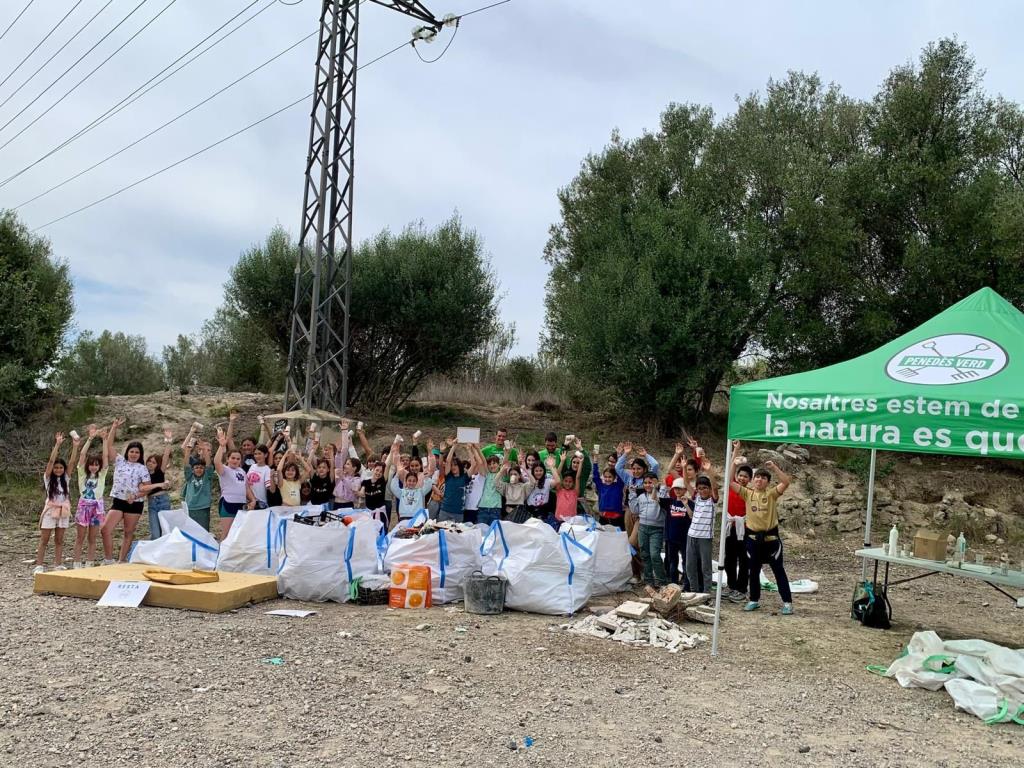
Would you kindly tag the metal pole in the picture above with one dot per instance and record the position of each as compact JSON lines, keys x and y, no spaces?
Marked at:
{"x":871,"y":507}
{"x":727,"y":479}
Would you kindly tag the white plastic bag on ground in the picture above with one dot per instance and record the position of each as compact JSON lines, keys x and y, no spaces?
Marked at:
{"x":178,"y":518}
{"x":254,"y":543}
{"x":547,"y":572}
{"x":177,"y":549}
{"x":612,"y":554}
{"x":983,"y":678}
{"x":314,"y":565}
{"x":451,"y":557}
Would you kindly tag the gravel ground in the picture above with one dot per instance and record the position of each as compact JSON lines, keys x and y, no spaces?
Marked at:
{"x":158,"y":687}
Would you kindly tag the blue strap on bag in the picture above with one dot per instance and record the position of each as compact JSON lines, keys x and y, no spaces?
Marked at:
{"x":566,"y":541}
{"x":442,"y":544}
{"x":495,"y":531}
{"x":196,"y":543}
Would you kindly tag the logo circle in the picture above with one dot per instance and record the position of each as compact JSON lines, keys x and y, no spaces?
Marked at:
{"x":953,"y":358}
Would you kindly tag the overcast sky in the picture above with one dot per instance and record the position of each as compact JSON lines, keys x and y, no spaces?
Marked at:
{"x":492,"y":130}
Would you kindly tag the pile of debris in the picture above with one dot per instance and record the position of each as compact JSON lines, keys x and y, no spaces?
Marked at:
{"x":432,"y":526}
{"x":632,"y":623}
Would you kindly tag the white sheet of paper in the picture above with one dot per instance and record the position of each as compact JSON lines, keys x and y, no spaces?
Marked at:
{"x":468,"y":434}
{"x":124,"y":594}
{"x":290,"y":612}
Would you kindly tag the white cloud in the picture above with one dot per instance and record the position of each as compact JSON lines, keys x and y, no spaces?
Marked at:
{"x":493,"y":129}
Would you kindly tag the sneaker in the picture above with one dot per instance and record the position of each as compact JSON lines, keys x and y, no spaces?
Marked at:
{"x":735,"y":596}
{"x":787,"y":609}
{"x":60,"y":567}
{"x":635,"y":581}
{"x":753,"y":605}
{"x":109,"y":562}
{"x":39,"y":569}
{"x":76,"y":566}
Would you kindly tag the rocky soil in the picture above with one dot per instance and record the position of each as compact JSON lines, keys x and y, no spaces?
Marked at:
{"x":361,"y":686}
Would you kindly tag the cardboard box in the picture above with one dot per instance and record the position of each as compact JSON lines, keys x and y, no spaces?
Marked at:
{"x":929,"y":545}
{"x":233,"y":590}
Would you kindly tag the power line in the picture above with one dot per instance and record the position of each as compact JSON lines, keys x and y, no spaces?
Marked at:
{"x":47,"y":37}
{"x":2,"y":36}
{"x":440,"y":55}
{"x":61,"y":77}
{"x":485,"y":8}
{"x":142,"y":90}
{"x":230,"y":136}
{"x":56,"y":53}
{"x":173,"y":120}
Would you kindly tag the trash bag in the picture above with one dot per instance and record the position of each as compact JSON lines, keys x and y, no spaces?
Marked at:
{"x":547,"y":572}
{"x":314,"y":563}
{"x":254,"y":543}
{"x":612,"y":554}
{"x":179,"y":518}
{"x":177,"y":549}
{"x":451,"y":557}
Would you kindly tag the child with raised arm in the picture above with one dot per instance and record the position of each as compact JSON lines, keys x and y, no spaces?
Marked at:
{"x":234,"y":491}
{"x":347,"y":468}
{"x":610,"y":489}
{"x":645,"y":507}
{"x":698,"y":537}
{"x":568,"y":494}
{"x":475,"y":487}
{"x":197,"y":489}
{"x":292,"y":470}
{"x":762,"y":532}
{"x":92,"y":482}
{"x":56,"y":515}
{"x":128,"y":492}
{"x":509,"y":483}
{"x":159,"y":499}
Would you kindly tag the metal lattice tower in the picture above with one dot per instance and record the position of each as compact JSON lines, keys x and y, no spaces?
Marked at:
{"x":319,"y":348}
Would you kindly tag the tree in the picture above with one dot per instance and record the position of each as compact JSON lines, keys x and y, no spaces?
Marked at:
{"x":36,"y":306}
{"x":806,"y":227}
{"x":422,"y":302}
{"x":678,"y":249}
{"x":936,"y":200}
{"x":108,"y":364}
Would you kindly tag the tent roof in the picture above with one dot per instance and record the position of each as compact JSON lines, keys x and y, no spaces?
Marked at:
{"x":939,"y":375}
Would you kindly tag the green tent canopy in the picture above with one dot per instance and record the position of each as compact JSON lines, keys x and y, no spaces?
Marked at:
{"x":953,"y":385}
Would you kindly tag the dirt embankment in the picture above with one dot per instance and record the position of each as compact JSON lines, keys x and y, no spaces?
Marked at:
{"x":827,"y":499}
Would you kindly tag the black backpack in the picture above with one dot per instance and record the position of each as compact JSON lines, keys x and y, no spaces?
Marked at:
{"x":871,"y":606}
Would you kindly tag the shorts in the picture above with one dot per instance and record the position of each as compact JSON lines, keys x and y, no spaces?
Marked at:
{"x":122,"y":506}
{"x":90,"y":512}
{"x":344,"y":505}
{"x":230,"y":508}
{"x":52,"y":517}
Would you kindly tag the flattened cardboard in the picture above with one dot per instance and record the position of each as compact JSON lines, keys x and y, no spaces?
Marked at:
{"x":233,"y":590}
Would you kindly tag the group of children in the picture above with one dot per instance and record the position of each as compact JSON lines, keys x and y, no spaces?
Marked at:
{"x":670,"y":519}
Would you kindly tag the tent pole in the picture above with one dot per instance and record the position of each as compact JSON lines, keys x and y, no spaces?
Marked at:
{"x":871,"y":508}
{"x":726,"y":480}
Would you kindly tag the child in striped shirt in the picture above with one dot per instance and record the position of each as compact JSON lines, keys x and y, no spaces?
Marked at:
{"x":698,"y":538}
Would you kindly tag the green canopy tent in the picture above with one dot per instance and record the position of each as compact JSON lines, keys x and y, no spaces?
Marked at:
{"x":953,"y":385}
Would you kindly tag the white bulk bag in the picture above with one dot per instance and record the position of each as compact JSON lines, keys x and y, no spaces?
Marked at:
{"x":612,"y":554}
{"x":547,"y":572}
{"x":253,"y":544}
{"x":177,"y":549}
{"x":313,"y":566}
{"x":179,"y":518}
{"x":451,"y":557}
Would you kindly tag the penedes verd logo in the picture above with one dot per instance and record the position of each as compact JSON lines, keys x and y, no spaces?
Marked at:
{"x":955,"y":358}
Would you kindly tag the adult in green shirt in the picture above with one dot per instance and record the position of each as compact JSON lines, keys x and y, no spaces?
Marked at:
{"x":497,"y":448}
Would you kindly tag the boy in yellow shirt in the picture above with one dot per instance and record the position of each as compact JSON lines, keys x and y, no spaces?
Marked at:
{"x":763,"y":543}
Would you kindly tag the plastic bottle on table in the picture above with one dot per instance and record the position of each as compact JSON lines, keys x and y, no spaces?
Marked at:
{"x":894,"y":542}
{"x":961,"y":547}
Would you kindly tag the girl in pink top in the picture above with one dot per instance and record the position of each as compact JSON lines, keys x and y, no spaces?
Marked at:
{"x":568,"y":493}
